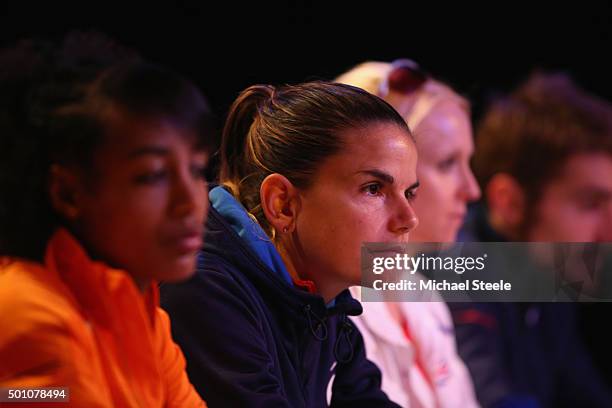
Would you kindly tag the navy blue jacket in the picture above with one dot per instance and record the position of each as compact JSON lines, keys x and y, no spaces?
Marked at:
{"x":251,"y":339}
{"x":524,"y":355}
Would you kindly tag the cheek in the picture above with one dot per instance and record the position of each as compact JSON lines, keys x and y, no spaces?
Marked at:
{"x":431,"y":201}
{"x":437,"y":185}
{"x":426,"y":204}
{"x":127,"y":216}
{"x":332,"y":234}
{"x":335,"y":251}
{"x":435,"y":203}
{"x":364,"y":220}
{"x":333,"y":222}
{"x":350,"y":235}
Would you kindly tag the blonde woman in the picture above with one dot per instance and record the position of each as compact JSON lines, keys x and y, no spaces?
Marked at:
{"x":413,"y":343}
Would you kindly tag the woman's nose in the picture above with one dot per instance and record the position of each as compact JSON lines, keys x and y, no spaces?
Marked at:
{"x":470,"y":188}
{"x":188,"y":195}
{"x":404,"y":218}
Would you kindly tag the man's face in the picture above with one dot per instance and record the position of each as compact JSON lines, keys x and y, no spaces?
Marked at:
{"x":577,"y":205}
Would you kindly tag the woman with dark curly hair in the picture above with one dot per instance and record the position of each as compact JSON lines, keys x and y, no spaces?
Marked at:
{"x":103,"y":194}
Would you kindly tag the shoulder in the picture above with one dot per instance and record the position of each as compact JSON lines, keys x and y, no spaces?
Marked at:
{"x":214,"y":276}
{"x":35,"y":298}
{"x":42,"y":329}
{"x":217,"y":293}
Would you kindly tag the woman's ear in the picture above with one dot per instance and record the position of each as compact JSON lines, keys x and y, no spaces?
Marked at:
{"x":506,"y":203}
{"x":65,"y":189}
{"x":280,"y":202}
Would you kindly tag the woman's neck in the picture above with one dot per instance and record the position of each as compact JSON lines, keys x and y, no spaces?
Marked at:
{"x":297,"y":271}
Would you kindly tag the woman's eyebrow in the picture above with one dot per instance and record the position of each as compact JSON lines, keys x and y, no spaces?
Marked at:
{"x":386,"y":177}
{"x":147,"y":150}
{"x":416,"y":184}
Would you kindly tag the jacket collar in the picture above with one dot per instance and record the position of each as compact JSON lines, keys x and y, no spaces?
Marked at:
{"x":233,"y":235}
{"x":252,"y":235}
{"x":101,"y":291}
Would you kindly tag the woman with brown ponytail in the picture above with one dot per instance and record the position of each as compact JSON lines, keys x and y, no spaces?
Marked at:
{"x":309,"y":173}
{"x":413,"y":343}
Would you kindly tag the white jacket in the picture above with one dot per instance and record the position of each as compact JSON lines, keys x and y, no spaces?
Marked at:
{"x":432,"y":336}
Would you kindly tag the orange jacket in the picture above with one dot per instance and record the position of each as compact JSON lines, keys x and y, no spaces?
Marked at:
{"x":78,"y":323}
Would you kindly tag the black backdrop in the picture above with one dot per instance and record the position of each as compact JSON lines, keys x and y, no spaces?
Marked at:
{"x":227,"y":45}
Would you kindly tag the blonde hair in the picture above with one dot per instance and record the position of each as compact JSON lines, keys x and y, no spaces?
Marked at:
{"x":372,"y":76}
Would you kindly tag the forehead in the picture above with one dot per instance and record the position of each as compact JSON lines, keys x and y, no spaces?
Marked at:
{"x":383,"y":146}
{"x":125,"y":133}
{"x":586,"y":171}
{"x":446,"y":127}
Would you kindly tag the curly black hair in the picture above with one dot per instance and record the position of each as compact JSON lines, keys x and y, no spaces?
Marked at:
{"x":51,"y":94}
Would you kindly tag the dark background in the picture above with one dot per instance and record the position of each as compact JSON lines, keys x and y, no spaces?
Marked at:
{"x":228,"y":45}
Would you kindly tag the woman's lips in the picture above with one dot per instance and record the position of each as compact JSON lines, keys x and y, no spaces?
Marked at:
{"x":187,"y":242}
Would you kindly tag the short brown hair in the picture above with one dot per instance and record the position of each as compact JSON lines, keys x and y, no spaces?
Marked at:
{"x":533,"y":132}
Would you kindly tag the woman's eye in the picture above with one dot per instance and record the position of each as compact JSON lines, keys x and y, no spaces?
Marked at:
{"x":447,"y":164}
{"x":372,"y":189}
{"x":151,"y":177}
{"x":411,"y":195}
